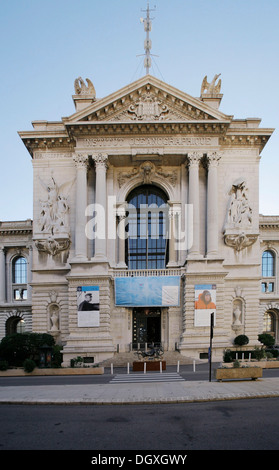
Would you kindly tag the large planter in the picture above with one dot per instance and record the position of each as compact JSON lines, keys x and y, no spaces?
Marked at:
{"x":239,"y":373}
{"x":138,"y":366}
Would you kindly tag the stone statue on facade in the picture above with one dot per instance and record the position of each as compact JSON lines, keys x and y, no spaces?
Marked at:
{"x":54,"y":216}
{"x":239,"y":213}
{"x":82,"y":89}
{"x":211,"y":88}
{"x":238,"y":223}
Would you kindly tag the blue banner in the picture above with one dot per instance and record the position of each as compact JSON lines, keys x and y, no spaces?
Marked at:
{"x":162,"y":291}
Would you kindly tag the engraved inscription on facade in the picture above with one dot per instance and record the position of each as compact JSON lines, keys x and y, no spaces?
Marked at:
{"x":175,"y":141}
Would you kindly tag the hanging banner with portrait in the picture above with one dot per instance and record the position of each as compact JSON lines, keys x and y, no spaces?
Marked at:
{"x":205,"y":303}
{"x":88,"y":306}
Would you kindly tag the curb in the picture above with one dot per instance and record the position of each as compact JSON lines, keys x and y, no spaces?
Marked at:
{"x":151,"y":401}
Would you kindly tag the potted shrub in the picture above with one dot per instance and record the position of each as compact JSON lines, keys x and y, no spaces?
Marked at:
{"x":241,"y":340}
{"x":266,"y":339}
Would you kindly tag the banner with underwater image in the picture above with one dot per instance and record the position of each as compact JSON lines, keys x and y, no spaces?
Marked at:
{"x":153,"y":291}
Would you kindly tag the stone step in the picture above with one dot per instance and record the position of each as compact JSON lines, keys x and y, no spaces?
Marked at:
{"x":122,"y":359}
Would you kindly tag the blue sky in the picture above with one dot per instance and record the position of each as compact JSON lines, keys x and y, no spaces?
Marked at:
{"x":46,"y":44}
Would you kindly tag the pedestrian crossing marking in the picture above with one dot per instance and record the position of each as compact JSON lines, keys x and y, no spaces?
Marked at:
{"x":147,"y":377}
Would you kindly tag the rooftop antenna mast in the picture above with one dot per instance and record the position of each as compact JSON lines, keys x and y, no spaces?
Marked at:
{"x":147,"y":43}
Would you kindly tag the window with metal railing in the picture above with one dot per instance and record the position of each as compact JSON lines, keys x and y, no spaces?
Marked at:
{"x":147,"y":227}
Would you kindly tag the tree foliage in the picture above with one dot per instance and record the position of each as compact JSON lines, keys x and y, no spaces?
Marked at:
{"x":17,"y":347}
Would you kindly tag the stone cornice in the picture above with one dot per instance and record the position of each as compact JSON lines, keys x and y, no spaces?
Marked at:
{"x":269,"y":222}
{"x":106,"y":128}
{"x":24,"y":227}
{"x":46,"y":140}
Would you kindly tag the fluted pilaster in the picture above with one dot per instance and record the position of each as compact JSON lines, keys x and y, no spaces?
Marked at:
{"x":194,"y":159}
{"x":101,"y":164}
{"x":212,"y":203}
{"x":81,"y":163}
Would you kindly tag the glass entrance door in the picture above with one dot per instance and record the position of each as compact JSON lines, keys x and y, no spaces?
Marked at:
{"x":146,"y":326}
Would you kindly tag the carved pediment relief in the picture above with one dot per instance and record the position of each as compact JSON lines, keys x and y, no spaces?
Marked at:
{"x":147,"y":99}
{"x":149,"y":106}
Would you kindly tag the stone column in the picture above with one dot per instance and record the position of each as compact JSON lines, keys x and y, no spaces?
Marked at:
{"x":29,"y":273}
{"x":194,"y":199}
{"x":101,"y":161}
{"x":172,"y":253}
{"x":212,"y":203}
{"x":81,"y":162}
{"x":174,"y":217}
{"x":121,"y":218}
{"x":2,"y":275}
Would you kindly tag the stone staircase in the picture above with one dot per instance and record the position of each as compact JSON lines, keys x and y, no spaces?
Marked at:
{"x":122,"y":359}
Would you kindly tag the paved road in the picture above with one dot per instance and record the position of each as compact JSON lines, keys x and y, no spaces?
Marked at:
{"x":201,"y":372}
{"x":226,"y":425}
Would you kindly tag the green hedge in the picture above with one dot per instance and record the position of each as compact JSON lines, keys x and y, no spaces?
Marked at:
{"x":257,"y":353}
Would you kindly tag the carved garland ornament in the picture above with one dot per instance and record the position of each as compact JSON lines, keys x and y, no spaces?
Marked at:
{"x":146,"y":171}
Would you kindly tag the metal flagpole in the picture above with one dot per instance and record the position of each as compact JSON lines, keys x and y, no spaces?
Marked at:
{"x":210,"y":347}
{"x":147,"y":43}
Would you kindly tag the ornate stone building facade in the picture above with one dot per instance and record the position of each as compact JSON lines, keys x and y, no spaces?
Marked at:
{"x":16,"y":255}
{"x":145,"y":221}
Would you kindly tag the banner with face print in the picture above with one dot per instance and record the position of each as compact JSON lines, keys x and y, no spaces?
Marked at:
{"x":205,"y":303}
{"x":88,"y":306}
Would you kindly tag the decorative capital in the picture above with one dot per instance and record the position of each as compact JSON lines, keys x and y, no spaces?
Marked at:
{"x":194,"y":158}
{"x":213,"y":158}
{"x":101,"y":161}
{"x":81,"y":160}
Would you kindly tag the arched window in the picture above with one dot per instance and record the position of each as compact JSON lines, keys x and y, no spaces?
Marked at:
{"x":269,"y":323}
{"x":146,"y":244}
{"x":15,"y":325}
{"x":19,"y":278}
{"x":20,"y":270}
{"x":268,"y":264}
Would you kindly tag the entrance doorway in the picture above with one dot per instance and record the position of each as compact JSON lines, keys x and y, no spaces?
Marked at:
{"x":146,"y":326}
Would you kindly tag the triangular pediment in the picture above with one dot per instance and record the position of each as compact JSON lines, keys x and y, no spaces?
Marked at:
{"x":147,"y":99}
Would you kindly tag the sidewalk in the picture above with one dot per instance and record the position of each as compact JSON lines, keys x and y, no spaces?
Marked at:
{"x":140,"y":393}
